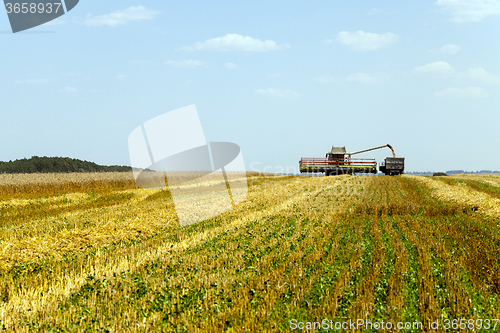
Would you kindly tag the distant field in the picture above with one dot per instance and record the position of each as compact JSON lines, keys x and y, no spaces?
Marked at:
{"x":92,"y":252}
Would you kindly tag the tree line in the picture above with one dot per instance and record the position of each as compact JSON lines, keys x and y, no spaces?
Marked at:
{"x":56,"y":164}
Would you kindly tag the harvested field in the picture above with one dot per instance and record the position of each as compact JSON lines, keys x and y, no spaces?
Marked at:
{"x":482,"y":198}
{"x":94,"y":252}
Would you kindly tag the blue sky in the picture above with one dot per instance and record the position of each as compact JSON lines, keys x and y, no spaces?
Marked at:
{"x":283,"y":79}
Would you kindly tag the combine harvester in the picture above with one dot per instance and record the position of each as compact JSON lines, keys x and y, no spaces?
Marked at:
{"x":339,"y":162}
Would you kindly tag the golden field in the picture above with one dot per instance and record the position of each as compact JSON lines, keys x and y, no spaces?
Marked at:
{"x":95,"y":253}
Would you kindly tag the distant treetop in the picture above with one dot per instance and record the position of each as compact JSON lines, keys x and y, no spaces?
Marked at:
{"x":56,"y":164}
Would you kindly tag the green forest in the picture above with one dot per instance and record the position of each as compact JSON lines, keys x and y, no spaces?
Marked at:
{"x":56,"y":164}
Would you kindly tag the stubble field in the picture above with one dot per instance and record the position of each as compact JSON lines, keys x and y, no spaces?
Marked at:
{"x":94,"y":253}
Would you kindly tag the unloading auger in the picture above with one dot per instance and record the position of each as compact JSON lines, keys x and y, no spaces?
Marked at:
{"x":337,"y":162}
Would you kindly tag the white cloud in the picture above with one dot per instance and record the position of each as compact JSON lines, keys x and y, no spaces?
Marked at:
{"x":57,"y":21}
{"x":443,"y":68}
{"x":447,"y":49}
{"x":32,"y":81}
{"x":470,"y":10}
{"x":438,"y":67}
{"x":366,"y":41}
{"x":235,"y":42}
{"x":482,"y":75}
{"x":374,"y":11}
{"x":122,"y":17}
{"x":281,"y":93}
{"x":470,"y":92}
{"x":68,"y":90}
{"x":367,"y":78}
{"x":364,"y":78}
{"x":326,"y":79}
{"x":140,"y":62}
{"x":230,"y":65}
{"x":185,"y":63}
